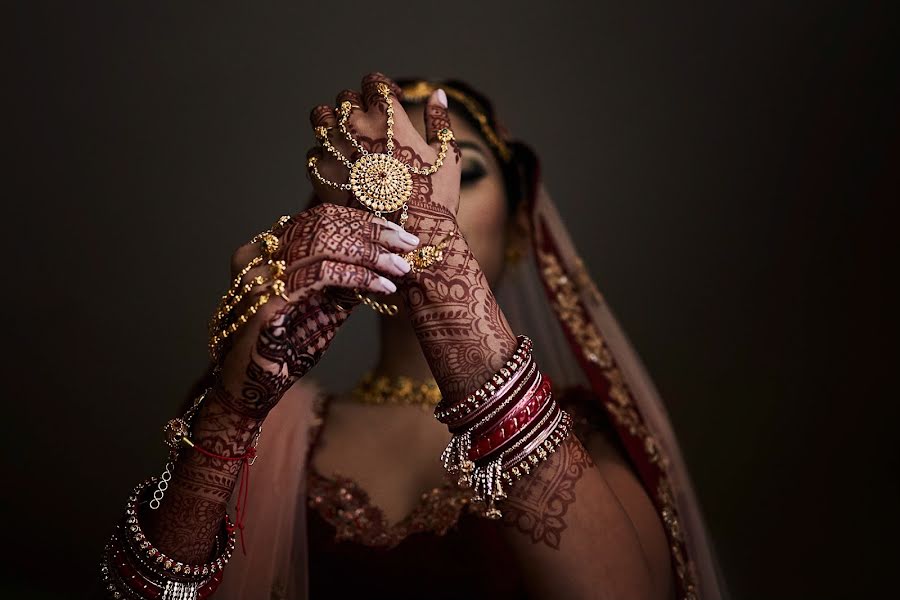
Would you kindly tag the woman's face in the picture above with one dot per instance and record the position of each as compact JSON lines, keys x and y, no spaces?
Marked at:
{"x":482,"y":212}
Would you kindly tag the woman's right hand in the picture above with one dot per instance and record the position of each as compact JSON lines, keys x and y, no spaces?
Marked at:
{"x":328,"y":250}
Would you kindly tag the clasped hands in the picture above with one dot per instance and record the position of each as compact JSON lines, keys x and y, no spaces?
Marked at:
{"x":337,"y":248}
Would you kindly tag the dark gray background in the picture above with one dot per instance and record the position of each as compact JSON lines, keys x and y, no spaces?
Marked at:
{"x":725,"y":168}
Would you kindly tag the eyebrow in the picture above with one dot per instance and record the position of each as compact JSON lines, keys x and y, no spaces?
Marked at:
{"x":470,"y":145}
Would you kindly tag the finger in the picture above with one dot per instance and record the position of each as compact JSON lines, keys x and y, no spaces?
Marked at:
{"x":352,"y":251}
{"x":242,"y":256}
{"x":322,"y":116}
{"x":392,"y":236}
{"x":356,"y":245}
{"x":313,"y":227}
{"x":437,"y":116}
{"x":246,"y":253}
{"x":261,"y":284}
{"x":371,"y":96}
{"x":329,"y":273}
{"x":304,"y":224}
{"x":351,"y":96}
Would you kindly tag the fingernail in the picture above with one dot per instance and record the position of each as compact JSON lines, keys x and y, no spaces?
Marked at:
{"x":442,"y":98}
{"x":408,"y":237}
{"x":387,"y":284}
{"x":400,"y":263}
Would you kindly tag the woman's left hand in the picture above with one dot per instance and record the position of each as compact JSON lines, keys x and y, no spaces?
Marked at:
{"x":368,"y":125}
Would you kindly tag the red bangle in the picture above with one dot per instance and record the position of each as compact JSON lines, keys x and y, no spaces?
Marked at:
{"x":505,"y":430}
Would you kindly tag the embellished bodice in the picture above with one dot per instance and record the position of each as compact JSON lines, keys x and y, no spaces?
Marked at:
{"x":353,"y":549}
{"x":342,"y":503}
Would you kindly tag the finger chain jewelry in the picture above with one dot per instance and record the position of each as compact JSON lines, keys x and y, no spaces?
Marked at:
{"x":419,"y":260}
{"x":379,"y":181}
{"x":224,"y":323}
{"x":425,"y":256}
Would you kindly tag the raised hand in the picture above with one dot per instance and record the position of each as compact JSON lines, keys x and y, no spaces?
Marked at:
{"x":367,"y":124}
{"x":327,"y":250}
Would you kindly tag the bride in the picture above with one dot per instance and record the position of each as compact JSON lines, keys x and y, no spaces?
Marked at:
{"x":551,"y":470}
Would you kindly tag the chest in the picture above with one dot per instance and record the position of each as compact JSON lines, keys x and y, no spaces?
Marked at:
{"x":390,"y":457}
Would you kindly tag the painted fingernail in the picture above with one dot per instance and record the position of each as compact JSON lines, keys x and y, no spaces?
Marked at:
{"x":408,"y":237}
{"x":387,"y":284}
{"x":400,"y":263}
{"x":442,"y":98}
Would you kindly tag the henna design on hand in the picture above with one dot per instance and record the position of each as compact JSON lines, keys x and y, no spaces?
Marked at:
{"x":367,"y":126}
{"x":537,"y":505}
{"x":328,"y":230}
{"x":189,"y":516}
{"x":463,"y":332}
{"x":285,"y":341}
{"x":438,"y":118}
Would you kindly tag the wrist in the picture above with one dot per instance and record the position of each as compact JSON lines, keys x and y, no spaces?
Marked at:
{"x":219,"y":427}
{"x":430,"y":221}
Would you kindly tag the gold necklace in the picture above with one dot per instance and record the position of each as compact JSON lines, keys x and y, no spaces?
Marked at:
{"x":399,"y":390}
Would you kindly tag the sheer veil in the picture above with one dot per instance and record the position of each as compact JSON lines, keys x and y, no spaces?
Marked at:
{"x":549,"y":296}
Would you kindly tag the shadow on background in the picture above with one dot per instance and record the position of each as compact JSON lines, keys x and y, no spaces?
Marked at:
{"x":726,"y":170}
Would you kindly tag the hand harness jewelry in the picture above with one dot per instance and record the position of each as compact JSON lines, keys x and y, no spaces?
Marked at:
{"x":378,"y":180}
{"x":226,"y":322}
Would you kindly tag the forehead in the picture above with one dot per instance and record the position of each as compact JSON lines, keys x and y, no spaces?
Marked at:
{"x":462,"y":129}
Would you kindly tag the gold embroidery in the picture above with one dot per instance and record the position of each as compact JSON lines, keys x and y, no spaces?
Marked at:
{"x":565,"y":301}
{"x":341,"y":502}
{"x":584,"y":282}
{"x":346,"y":506}
{"x":566,"y":305}
{"x":683,"y":567}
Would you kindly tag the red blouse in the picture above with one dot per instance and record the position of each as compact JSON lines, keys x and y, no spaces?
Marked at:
{"x":441,"y":549}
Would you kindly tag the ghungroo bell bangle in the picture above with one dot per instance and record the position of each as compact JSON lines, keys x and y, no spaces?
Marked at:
{"x":502,"y":430}
{"x":133,"y":568}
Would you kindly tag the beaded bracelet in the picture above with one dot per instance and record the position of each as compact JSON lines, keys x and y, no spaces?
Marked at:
{"x":453,"y":415}
{"x":521,"y":465}
{"x":455,"y":456}
{"x":133,"y":568}
{"x":123,"y":579}
{"x":167,"y":565}
{"x":503,"y":429}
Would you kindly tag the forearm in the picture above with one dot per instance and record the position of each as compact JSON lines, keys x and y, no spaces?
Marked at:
{"x":190,"y":515}
{"x":582,"y":526}
{"x":564,"y":520}
{"x":461,"y":328}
